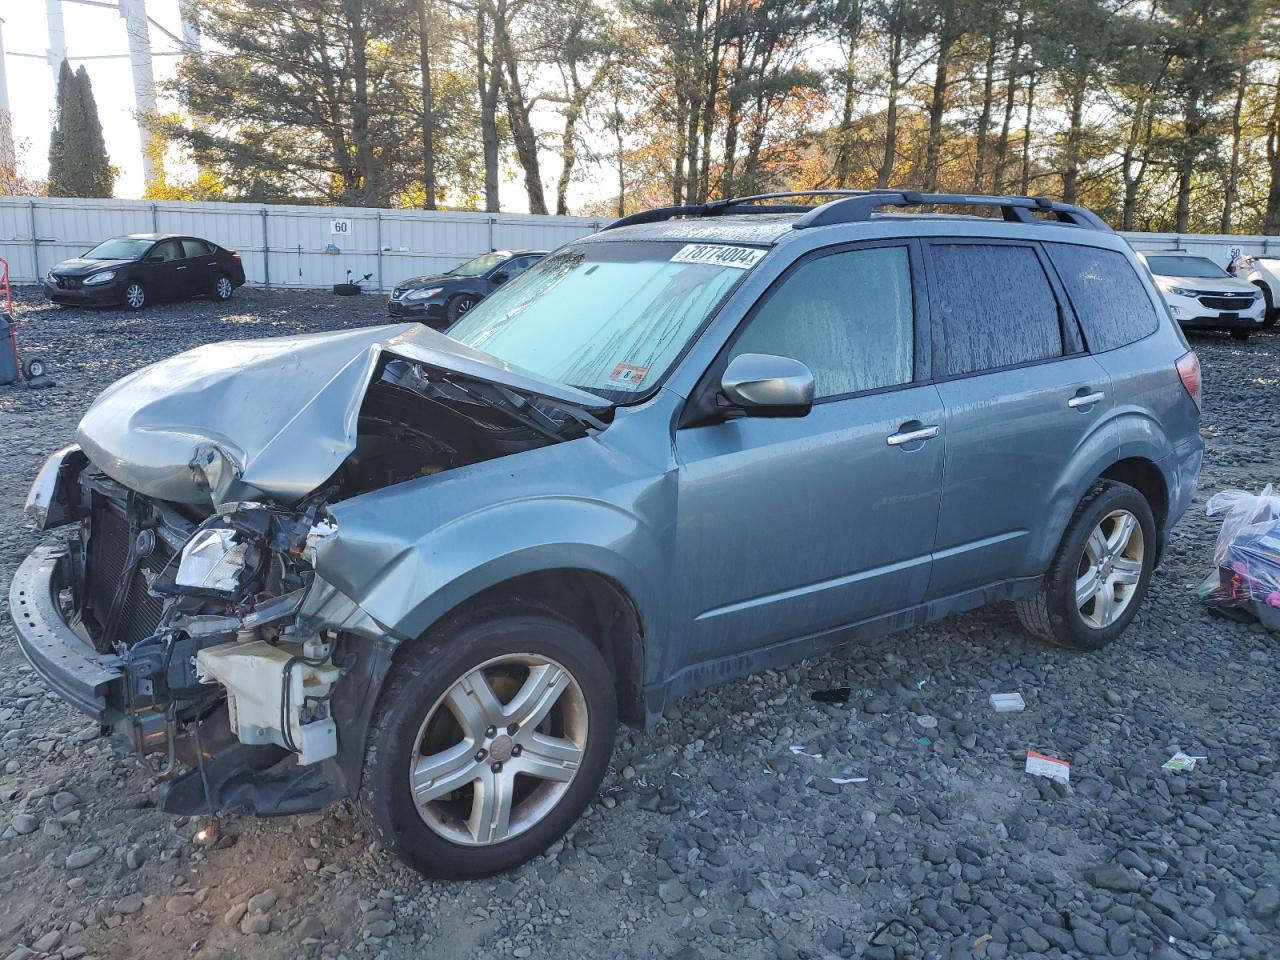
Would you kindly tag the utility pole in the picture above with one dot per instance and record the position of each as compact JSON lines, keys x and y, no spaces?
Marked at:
{"x":8,"y":156}
{"x":190,"y":28}
{"x":144,"y":86}
{"x":57,"y":51}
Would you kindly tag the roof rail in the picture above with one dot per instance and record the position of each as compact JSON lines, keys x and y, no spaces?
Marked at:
{"x":854,"y":206}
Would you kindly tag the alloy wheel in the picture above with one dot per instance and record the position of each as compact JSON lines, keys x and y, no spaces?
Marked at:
{"x":135,"y":296}
{"x":498,"y":750}
{"x":223,"y":288}
{"x":1110,"y":569}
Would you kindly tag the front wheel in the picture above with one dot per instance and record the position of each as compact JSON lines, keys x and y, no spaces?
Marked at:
{"x":1239,"y":334}
{"x":458,"y":307}
{"x":1100,"y":573}
{"x":1270,"y":313}
{"x":135,"y":295}
{"x":488,"y":742}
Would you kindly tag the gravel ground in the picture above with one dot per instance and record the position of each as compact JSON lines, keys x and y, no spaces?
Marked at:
{"x":713,"y":836}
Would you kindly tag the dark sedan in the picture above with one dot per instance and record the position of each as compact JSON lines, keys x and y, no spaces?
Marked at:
{"x":439,"y":300}
{"x":142,"y":267}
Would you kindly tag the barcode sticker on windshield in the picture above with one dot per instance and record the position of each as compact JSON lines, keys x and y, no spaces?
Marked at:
{"x":744,"y":258}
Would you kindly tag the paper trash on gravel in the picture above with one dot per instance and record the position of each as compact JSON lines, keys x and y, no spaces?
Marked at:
{"x":843,"y":780}
{"x":1043,"y":765}
{"x":1181,"y":761}
{"x":1007,"y":702}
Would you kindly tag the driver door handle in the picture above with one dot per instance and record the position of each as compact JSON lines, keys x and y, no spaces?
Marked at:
{"x":1086,"y":400}
{"x":912,"y":436}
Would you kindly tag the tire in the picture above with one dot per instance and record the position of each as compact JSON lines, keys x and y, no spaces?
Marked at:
{"x":1053,"y":613}
{"x":1269,"y":312}
{"x":222,"y":288}
{"x":459,"y":306}
{"x":35,"y":368}
{"x":135,"y":295}
{"x":420,"y":716}
{"x":1240,"y":334}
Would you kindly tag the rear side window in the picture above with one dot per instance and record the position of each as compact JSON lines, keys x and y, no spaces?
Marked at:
{"x":196,"y":248}
{"x":1109,"y":300}
{"x":847,"y":315}
{"x":996,"y":304}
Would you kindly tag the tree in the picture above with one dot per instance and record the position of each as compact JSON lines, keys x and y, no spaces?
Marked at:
{"x":78,"y":161}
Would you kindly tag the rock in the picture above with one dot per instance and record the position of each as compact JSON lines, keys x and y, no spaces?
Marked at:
{"x":1112,"y":876}
{"x":130,"y":905}
{"x":20,"y":953}
{"x":23,"y":824}
{"x":81,"y":858}
{"x":264,"y":901}
{"x":258,"y":923}
{"x":309,"y":928}
{"x":1033,"y":940}
{"x":64,"y":800}
{"x":875,"y":705}
{"x":1266,"y":902}
{"x":380,"y":928}
{"x":48,"y":942}
{"x":135,"y":857}
{"x":235,"y":914}
{"x":180,"y":906}
{"x":671,"y":891}
{"x":311,"y":863}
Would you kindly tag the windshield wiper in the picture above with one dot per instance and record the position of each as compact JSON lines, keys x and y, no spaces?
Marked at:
{"x":521,"y":409}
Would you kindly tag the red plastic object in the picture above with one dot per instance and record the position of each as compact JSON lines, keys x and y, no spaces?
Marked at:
{"x":13,"y":327}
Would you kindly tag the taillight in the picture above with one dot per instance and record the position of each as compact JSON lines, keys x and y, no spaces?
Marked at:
{"x":234,"y":255}
{"x":1189,"y":371}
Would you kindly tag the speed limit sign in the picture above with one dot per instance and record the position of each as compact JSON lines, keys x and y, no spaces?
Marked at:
{"x":339,"y":228}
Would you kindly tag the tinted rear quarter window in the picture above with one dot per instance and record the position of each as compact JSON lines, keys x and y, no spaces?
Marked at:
{"x":997,"y":306}
{"x":1109,"y":300}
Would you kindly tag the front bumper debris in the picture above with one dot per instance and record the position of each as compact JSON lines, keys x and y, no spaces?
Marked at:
{"x":86,"y":679}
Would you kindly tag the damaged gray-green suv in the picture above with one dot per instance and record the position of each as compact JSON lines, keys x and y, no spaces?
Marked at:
{"x":432,"y":572}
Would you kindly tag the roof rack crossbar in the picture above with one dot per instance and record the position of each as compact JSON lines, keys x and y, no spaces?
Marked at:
{"x":853,"y":206}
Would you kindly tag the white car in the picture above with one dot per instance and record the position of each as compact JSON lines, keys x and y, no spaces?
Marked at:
{"x":1202,"y":295}
{"x":1263,"y":273}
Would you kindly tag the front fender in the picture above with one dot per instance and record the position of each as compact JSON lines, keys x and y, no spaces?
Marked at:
{"x":407,"y":580}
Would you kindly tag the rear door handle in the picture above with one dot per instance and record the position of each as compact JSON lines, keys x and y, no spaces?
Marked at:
{"x":1086,"y":400}
{"x":911,"y":436}
{"x":180,"y":268}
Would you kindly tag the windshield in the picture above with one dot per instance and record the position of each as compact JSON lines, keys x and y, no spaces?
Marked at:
{"x":119,"y":248}
{"x":605,"y":317}
{"x":480,"y":265}
{"x":1185,"y":267}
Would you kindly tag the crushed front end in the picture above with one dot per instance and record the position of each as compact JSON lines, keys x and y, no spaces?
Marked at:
{"x":196,"y":636}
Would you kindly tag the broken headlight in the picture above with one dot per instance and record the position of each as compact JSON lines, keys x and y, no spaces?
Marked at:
{"x":214,"y":559}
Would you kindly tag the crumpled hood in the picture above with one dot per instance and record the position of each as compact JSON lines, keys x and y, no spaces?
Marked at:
{"x":272,"y":418}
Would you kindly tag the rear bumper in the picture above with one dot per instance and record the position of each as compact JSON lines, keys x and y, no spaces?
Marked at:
{"x":1182,"y":467}
{"x":89,"y":681}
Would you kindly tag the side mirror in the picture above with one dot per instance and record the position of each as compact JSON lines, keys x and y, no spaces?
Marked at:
{"x":155,"y":258}
{"x":761,"y":385}
{"x":500,"y":277}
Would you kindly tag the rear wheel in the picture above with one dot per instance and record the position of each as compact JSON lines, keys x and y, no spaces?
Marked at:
{"x":1240,"y":334}
{"x":223,"y":288}
{"x":488,"y":742}
{"x":135,"y":295}
{"x":1100,"y":573}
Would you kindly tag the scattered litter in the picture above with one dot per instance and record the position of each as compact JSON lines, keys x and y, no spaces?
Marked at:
{"x":844,"y":780}
{"x":677,"y":773}
{"x":1181,"y":761}
{"x":643,"y":783}
{"x":920,"y":684}
{"x":834,"y":695}
{"x":1007,"y":702}
{"x":699,"y":815}
{"x":923,"y":741}
{"x":981,"y":941}
{"x":764,"y":881}
{"x":1042,"y":765}
{"x":801,"y":751}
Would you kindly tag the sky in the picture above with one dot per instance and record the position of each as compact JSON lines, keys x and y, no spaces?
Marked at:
{"x":92,"y":31}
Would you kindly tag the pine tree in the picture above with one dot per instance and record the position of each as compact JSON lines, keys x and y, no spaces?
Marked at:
{"x":78,"y":161}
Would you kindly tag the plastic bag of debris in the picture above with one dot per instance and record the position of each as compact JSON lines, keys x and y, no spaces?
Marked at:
{"x":1246,"y":582}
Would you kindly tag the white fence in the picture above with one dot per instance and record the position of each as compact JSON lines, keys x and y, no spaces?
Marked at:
{"x":281,"y":246}
{"x":296,"y":246}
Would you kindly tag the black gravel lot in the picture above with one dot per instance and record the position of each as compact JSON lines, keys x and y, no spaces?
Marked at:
{"x":713,"y":837}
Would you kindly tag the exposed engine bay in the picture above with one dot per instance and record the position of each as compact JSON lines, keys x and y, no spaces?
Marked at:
{"x":208,"y":611}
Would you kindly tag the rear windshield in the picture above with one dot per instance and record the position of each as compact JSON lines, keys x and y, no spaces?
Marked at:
{"x":119,"y":248}
{"x":1186,"y":267}
{"x":610,"y":318}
